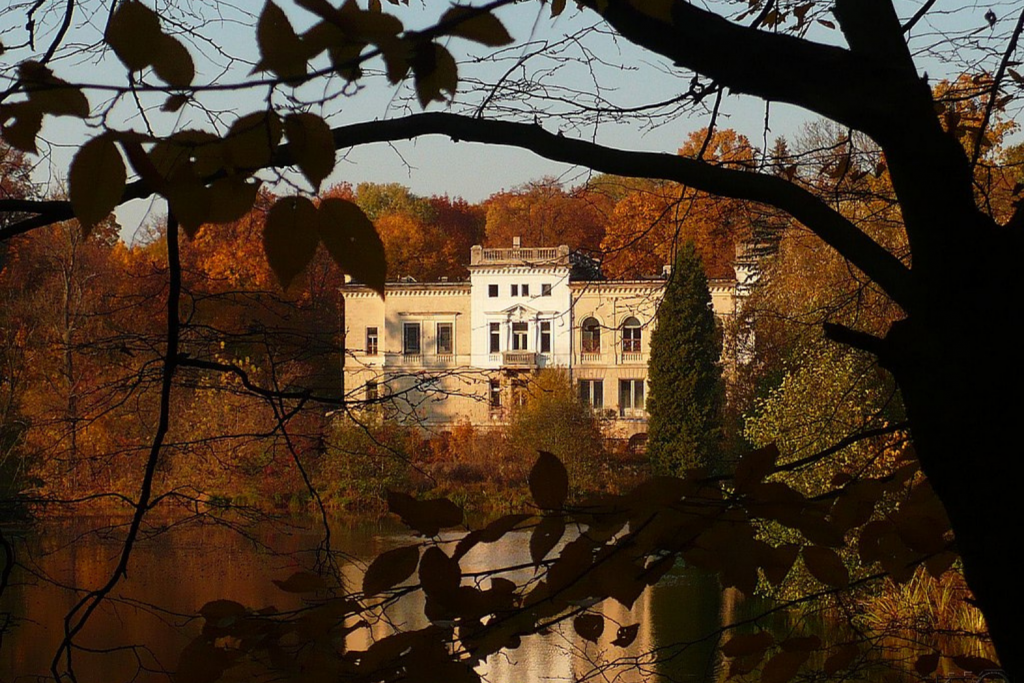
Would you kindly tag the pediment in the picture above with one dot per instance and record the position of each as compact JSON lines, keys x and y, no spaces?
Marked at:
{"x":520,"y":312}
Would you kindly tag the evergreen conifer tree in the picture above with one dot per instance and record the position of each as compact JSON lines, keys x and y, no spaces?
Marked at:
{"x":686,"y":388}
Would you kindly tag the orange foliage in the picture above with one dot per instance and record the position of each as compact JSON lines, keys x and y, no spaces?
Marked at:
{"x":543,"y":214}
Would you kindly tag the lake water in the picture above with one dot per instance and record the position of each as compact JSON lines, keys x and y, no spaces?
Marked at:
{"x":142,"y":631}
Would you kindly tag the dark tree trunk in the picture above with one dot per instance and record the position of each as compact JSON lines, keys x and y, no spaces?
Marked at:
{"x":958,"y":366}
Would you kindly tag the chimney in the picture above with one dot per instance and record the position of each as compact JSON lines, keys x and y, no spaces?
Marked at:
{"x":517,"y":242}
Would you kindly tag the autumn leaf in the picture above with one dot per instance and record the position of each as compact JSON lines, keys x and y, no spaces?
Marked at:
{"x":97,"y":179}
{"x":545,"y":537}
{"x":290,"y":237}
{"x":132,"y":32}
{"x":435,"y":72}
{"x":549,"y":482}
{"x":312,"y":146}
{"x":481,"y":27}
{"x":281,"y":48}
{"x":589,"y":626}
{"x":352,"y":242}
{"x":626,"y":635}
{"x":826,"y":566}
{"x":301,"y":582}
{"x":390,"y":569}
{"x":427,"y":517}
{"x":783,"y":666}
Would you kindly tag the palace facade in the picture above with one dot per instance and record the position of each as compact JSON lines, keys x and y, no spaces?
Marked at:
{"x":438,"y":353}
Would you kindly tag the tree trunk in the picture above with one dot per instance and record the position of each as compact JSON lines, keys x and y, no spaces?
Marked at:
{"x":961,"y":378}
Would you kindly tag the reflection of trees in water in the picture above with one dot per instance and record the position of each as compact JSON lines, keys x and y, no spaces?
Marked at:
{"x":150,"y":616}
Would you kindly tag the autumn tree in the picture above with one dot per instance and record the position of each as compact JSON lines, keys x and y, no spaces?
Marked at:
{"x":855,"y":62}
{"x":686,"y":390}
{"x":542,"y":213}
{"x":650,"y":222}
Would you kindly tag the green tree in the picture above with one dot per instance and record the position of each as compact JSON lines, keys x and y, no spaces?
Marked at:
{"x":552,"y":418}
{"x":685,"y":376}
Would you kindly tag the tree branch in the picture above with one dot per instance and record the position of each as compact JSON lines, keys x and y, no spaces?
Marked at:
{"x":863,"y":252}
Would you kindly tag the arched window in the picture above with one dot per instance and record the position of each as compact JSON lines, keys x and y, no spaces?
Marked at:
{"x":591,"y":336}
{"x":631,"y":336}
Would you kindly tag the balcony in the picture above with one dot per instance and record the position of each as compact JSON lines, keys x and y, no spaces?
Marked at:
{"x":632,"y":357}
{"x":423,"y":360}
{"x":515,"y":255}
{"x":519,"y":359}
{"x":586,"y":357}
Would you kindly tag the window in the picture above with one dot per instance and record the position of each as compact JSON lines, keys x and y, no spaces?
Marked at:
{"x":495,"y":337}
{"x":592,"y":393}
{"x":492,"y":291}
{"x":545,"y":289}
{"x":519,"y":335}
{"x":545,"y":337}
{"x":591,"y":336}
{"x":515,"y":290}
{"x":520,"y":394}
{"x":631,"y":395}
{"x":526,"y":290}
{"x":494,"y":394}
{"x":411,"y":339}
{"x":445,"y":340}
{"x":372,"y":392}
{"x":631,"y":335}
{"x":371,"y":341}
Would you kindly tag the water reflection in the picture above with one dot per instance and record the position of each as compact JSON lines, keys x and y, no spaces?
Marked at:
{"x":139,"y":634}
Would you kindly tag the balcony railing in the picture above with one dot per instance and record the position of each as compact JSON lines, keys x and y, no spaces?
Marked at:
{"x":632,"y":357}
{"x":519,"y":359}
{"x":590,"y":357}
{"x":633,"y":413}
{"x":423,"y":360}
{"x":520,"y":254}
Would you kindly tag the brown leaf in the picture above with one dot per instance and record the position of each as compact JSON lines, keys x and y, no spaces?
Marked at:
{"x":231,"y":198}
{"x":353,"y":242}
{"x":312,"y":146}
{"x":755,"y":466}
{"x":626,"y":635}
{"x":589,"y":626}
{"x":51,"y":94}
{"x":481,"y":27}
{"x":545,"y":537}
{"x":435,"y":73}
{"x":826,"y":566}
{"x":744,"y":644}
{"x":216,"y":610}
{"x":301,"y":582}
{"x":549,"y":482}
{"x":801,"y":644}
{"x":490,"y":533}
{"x":783,"y":666}
{"x":927,"y":664}
{"x":290,"y":237}
{"x":841,"y":659}
{"x":974,"y":664}
{"x":390,"y":569}
{"x":172,"y":62}
{"x":97,"y":179}
{"x":251,"y":140}
{"x":27,"y":120}
{"x":281,"y":49}
{"x":427,"y":517}
{"x":132,"y":32}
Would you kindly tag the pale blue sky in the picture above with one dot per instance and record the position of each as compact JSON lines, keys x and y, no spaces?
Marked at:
{"x":435,"y":165}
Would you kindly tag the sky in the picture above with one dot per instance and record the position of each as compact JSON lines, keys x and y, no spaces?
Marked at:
{"x":435,"y":165}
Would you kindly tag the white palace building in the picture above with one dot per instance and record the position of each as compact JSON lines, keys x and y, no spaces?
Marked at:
{"x":438,"y":353}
